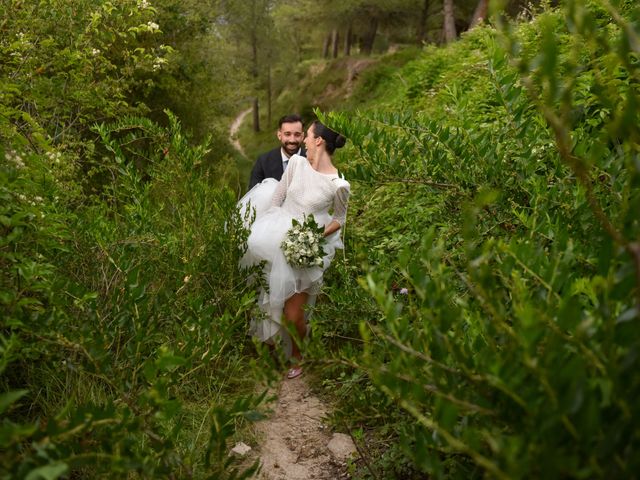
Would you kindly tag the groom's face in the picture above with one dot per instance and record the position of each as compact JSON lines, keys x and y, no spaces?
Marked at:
{"x":290,"y":136}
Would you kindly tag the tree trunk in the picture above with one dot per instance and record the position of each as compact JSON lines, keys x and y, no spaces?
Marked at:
{"x":335,"y":40}
{"x":347,"y":42}
{"x":422,"y":24}
{"x":449,"y":22}
{"x":480,"y":13}
{"x":256,"y":115}
{"x":325,"y":46}
{"x":370,"y":37}
{"x":269,"y":93}
{"x":254,"y":73}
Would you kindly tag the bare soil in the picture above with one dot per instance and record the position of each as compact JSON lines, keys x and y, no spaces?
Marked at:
{"x":233,"y":130}
{"x":295,"y":440}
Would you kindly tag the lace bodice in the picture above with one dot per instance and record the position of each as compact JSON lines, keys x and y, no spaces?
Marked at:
{"x":303,"y":190}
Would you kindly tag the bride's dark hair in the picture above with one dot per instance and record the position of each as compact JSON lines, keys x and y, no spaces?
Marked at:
{"x":332,"y":139}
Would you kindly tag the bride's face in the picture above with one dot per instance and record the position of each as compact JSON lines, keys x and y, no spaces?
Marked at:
{"x":310,"y":143}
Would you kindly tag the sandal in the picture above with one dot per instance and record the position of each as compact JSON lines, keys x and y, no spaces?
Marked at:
{"x":294,"y":372}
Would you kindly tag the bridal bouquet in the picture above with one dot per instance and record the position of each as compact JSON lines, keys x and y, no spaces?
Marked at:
{"x":302,"y":245}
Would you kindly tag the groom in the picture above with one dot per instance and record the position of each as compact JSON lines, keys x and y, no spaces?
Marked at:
{"x":273,"y":163}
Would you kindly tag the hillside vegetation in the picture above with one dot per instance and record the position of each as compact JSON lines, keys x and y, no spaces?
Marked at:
{"x":482,"y":322}
{"x":484,"y":318}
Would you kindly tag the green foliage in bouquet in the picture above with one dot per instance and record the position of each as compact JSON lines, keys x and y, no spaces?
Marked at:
{"x":303,"y":244}
{"x":496,"y":229}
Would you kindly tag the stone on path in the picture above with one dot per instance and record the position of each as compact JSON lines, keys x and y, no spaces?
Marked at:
{"x":241,"y":449}
{"x":341,"y":447}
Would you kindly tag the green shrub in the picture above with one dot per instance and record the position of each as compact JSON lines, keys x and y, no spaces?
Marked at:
{"x":121,"y":315}
{"x":122,"y":309}
{"x":496,"y":229}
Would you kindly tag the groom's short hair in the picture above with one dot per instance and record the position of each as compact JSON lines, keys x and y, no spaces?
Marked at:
{"x":291,"y":118}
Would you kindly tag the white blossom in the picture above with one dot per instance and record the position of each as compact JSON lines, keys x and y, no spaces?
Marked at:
{"x":54,"y":156}
{"x":158,"y":62}
{"x":14,"y":158}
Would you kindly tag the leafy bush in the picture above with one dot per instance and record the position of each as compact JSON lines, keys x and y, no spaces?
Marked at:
{"x":68,"y":64}
{"x":500,"y":243}
{"x":122,"y":315}
{"x":122,"y":309}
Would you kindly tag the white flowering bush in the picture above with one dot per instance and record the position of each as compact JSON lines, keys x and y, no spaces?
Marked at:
{"x":303,"y":244}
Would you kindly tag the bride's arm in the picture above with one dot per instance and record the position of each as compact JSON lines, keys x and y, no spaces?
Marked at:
{"x":333,"y":226}
{"x":280,"y":193}
{"x":340,"y":202}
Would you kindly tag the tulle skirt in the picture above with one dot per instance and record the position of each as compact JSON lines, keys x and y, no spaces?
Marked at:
{"x":266,"y":234}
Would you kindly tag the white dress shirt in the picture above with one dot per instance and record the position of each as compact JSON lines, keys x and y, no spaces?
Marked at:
{"x":285,"y":159}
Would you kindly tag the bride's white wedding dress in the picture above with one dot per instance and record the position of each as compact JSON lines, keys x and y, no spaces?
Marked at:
{"x":302,"y":191}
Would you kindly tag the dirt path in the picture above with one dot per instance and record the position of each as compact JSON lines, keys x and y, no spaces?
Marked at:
{"x":295,"y":443}
{"x":233,"y":130}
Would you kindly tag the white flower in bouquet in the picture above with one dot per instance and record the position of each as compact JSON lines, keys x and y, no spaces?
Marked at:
{"x":302,"y":245}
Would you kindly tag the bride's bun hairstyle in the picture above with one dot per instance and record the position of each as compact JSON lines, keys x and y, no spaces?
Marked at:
{"x":332,"y":139}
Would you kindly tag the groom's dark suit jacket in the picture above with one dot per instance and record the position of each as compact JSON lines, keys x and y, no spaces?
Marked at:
{"x":268,"y":165}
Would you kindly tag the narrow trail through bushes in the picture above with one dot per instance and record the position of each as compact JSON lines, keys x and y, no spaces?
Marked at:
{"x":233,"y":130}
{"x":296,"y":443}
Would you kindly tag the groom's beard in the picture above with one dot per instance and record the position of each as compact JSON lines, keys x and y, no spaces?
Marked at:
{"x":291,"y":147}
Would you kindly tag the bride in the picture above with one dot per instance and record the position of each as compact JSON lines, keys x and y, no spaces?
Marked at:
{"x":309,"y":186}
